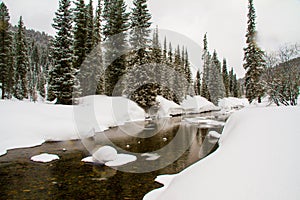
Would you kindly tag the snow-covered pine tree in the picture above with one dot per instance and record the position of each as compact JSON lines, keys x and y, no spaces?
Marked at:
{"x":115,"y":37}
{"x":144,"y":94}
{"x":187,"y":67}
{"x":80,"y":33}
{"x":225,"y":77}
{"x":22,"y":62}
{"x":34,"y":71}
{"x":215,"y":80}
{"x":62,"y":76}
{"x":156,"y":59}
{"x":98,"y":45}
{"x":140,"y":30}
{"x":254,"y":59}
{"x":97,"y":23}
{"x":6,"y":60}
{"x":197,"y":83}
{"x":90,"y":39}
{"x":206,"y":63}
{"x":231,"y":82}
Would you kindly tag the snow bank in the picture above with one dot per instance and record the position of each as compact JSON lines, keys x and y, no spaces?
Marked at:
{"x":44,"y":158}
{"x":167,"y":108}
{"x":27,"y":124}
{"x":110,"y":111}
{"x":198,"y":104}
{"x":233,"y":103}
{"x":257,"y":159}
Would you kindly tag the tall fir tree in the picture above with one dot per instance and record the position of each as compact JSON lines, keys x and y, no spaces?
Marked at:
{"x":22,"y":62}
{"x":225,"y":77}
{"x":6,"y":56}
{"x":139,"y":39}
{"x":97,"y":23}
{"x":115,"y":37}
{"x":62,"y":76}
{"x":80,"y":33}
{"x":206,"y":63}
{"x":98,"y":49}
{"x":231,"y":82}
{"x":140,"y":29}
{"x":254,"y":59}
{"x":187,"y":67}
{"x":215,"y":80}
{"x":90,"y":35}
{"x":197,"y":83}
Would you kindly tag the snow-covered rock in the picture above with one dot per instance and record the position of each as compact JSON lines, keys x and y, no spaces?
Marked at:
{"x":257,"y":159}
{"x":105,"y":154}
{"x":167,"y":108}
{"x":44,"y":158}
{"x":233,"y":103}
{"x":109,"y":156}
{"x":198,"y":104}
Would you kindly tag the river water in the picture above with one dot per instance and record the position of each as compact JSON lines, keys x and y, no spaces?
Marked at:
{"x":176,"y":143}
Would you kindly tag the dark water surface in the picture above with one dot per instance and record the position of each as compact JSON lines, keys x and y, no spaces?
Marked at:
{"x":69,"y":178}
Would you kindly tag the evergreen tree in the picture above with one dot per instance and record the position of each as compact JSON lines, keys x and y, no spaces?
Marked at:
{"x":62,"y":76}
{"x":80,"y":33}
{"x":231,"y":82}
{"x":6,"y":61}
{"x":215,"y":80}
{"x":165,"y":51}
{"x":90,"y":39}
{"x":254,"y":59}
{"x":144,"y":94}
{"x":99,"y":53}
{"x":225,"y":77}
{"x":206,"y":63}
{"x":34,"y":71}
{"x":187,"y":67}
{"x":114,"y":30}
{"x":140,"y":28}
{"x":97,"y":24}
{"x":22,"y":62}
{"x":197,"y":84}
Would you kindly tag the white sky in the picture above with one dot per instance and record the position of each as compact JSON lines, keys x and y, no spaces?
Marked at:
{"x":224,"y":22}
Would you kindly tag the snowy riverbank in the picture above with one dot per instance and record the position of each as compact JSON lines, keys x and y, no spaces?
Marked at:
{"x":27,"y":124}
{"x":257,"y":159}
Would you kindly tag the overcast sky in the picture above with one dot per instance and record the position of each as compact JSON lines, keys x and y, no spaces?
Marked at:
{"x":223,"y":20}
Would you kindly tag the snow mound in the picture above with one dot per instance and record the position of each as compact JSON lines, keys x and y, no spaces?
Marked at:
{"x":44,"y":158}
{"x":167,"y":108}
{"x":110,"y":111}
{"x":105,"y":154}
{"x":233,"y":103}
{"x":257,"y":159}
{"x":198,"y":104}
{"x":109,"y":156}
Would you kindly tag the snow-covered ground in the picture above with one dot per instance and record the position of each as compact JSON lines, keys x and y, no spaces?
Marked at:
{"x":232,"y":103}
{"x":198,"y":104}
{"x":27,"y":124}
{"x":257,"y":159}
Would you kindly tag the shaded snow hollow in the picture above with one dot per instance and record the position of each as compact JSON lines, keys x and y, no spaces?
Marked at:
{"x":257,"y":159}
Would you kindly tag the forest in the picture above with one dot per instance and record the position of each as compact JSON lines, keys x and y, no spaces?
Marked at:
{"x":112,"y":51}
